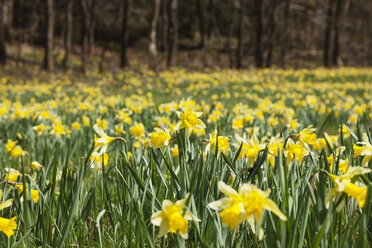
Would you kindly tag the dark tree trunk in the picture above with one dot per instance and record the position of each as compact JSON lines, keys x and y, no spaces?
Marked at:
{"x":48,"y":57}
{"x":239,"y":35}
{"x":124,"y":34}
{"x":92,"y":27}
{"x":230,"y":33}
{"x":85,"y":35}
{"x":201,"y":24}
{"x":211,"y":18}
{"x":285,"y":33}
{"x":68,"y":36}
{"x":271,"y":34}
{"x":154,"y":23}
{"x":336,"y":42}
{"x":259,"y":32}
{"x":3,"y":16}
{"x":172,"y":33}
{"x":164,"y":26}
{"x":327,"y":35}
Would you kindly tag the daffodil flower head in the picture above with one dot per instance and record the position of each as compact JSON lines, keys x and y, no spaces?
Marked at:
{"x":365,"y":150}
{"x":101,"y":143}
{"x":7,"y":226}
{"x":189,"y":120}
{"x":160,"y":138}
{"x":246,"y":204}
{"x":343,"y":184}
{"x":171,"y":219}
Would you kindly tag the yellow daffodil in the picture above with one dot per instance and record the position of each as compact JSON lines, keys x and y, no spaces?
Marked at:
{"x":171,"y":218}
{"x":223,"y":142}
{"x":7,"y":226}
{"x":11,"y":175}
{"x":189,"y":120}
{"x":36,"y":165}
{"x":246,"y":204}
{"x":273,"y":146}
{"x":250,"y":148}
{"x":308,"y":136}
{"x":298,"y":149}
{"x":365,"y":150}
{"x":160,"y":138}
{"x":101,"y":143}
{"x":343,"y":184}
{"x":137,"y":130}
{"x":34,"y":193}
{"x":175,"y":151}
{"x":96,"y":160}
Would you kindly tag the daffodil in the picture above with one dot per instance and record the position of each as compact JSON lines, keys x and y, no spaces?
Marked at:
{"x":96,"y":160}
{"x":308,"y":136}
{"x":273,"y":146}
{"x":343,"y":184}
{"x":160,"y":138}
{"x":171,"y":218}
{"x":101,"y":143}
{"x":223,"y":142}
{"x":248,"y":203}
{"x":7,"y":226}
{"x":298,"y":149}
{"x":250,"y":148}
{"x":365,"y":150}
{"x":34,"y":192}
{"x":137,"y":130}
{"x":11,"y":174}
{"x":36,"y":165}
{"x":189,"y":120}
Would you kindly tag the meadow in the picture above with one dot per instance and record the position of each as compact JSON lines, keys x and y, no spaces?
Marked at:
{"x":182,"y":158}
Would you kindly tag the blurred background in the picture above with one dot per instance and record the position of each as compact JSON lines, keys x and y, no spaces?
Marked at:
{"x":108,"y":35}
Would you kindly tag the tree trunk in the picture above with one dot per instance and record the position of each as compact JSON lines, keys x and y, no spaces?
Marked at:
{"x":154,"y":23}
{"x":327,"y":35}
{"x":92,"y":27}
{"x":68,"y":36}
{"x":259,"y":32}
{"x":48,"y":57}
{"x":239,"y":35}
{"x":336,"y":43}
{"x":200,"y":12}
{"x":229,"y":34}
{"x":3,"y":16}
{"x":164,"y":26}
{"x":172,"y":33}
{"x":285,"y":33}
{"x":271,"y":34}
{"x":85,"y":35}
{"x":124,"y":34}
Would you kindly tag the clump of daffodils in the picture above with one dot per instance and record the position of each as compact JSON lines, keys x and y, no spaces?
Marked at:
{"x":248,"y":203}
{"x":223,"y":142}
{"x":171,"y":218}
{"x":160,"y":138}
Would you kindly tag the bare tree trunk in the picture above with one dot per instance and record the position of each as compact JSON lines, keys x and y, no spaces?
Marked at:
{"x":239,"y":35}
{"x":48,"y":57}
{"x":336,"y":42}
{"x":327,"y":35}
{"x":68,"y":36}
{"x":285,"y":34}
{"x":92,"y":26}
{"x":85,"y":34}
{"x":164,"y":26}
{"x":124,"y":34}
{"x":229,"y":34}
{"x":3,"y":16}
{"x":259,"y":32}
{"x":172,"y":33}
{"x":201,"y":24}
{"x":154,"y":23}
{"x":271,"y":34}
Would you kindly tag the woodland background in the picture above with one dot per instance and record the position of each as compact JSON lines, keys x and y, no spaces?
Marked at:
{"x":107,"y":34}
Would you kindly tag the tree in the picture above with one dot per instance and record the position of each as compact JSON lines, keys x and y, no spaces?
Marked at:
{"x":327,"y":35}
{"x":336,"y":42}
{"x":87,"y":7}
{"x":48,"y":57}
{"x":2,"y":31}
{"x":239,"y":35}
{"x":172,"y":32}
{"x":259,"y":32}
{"x":68,"y":35}
{"x":200,"y":14}
{"x":285,"y":33}
{"x":124,"y":34}
{"x":271,"y":29}
{"x":152,"y":46}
